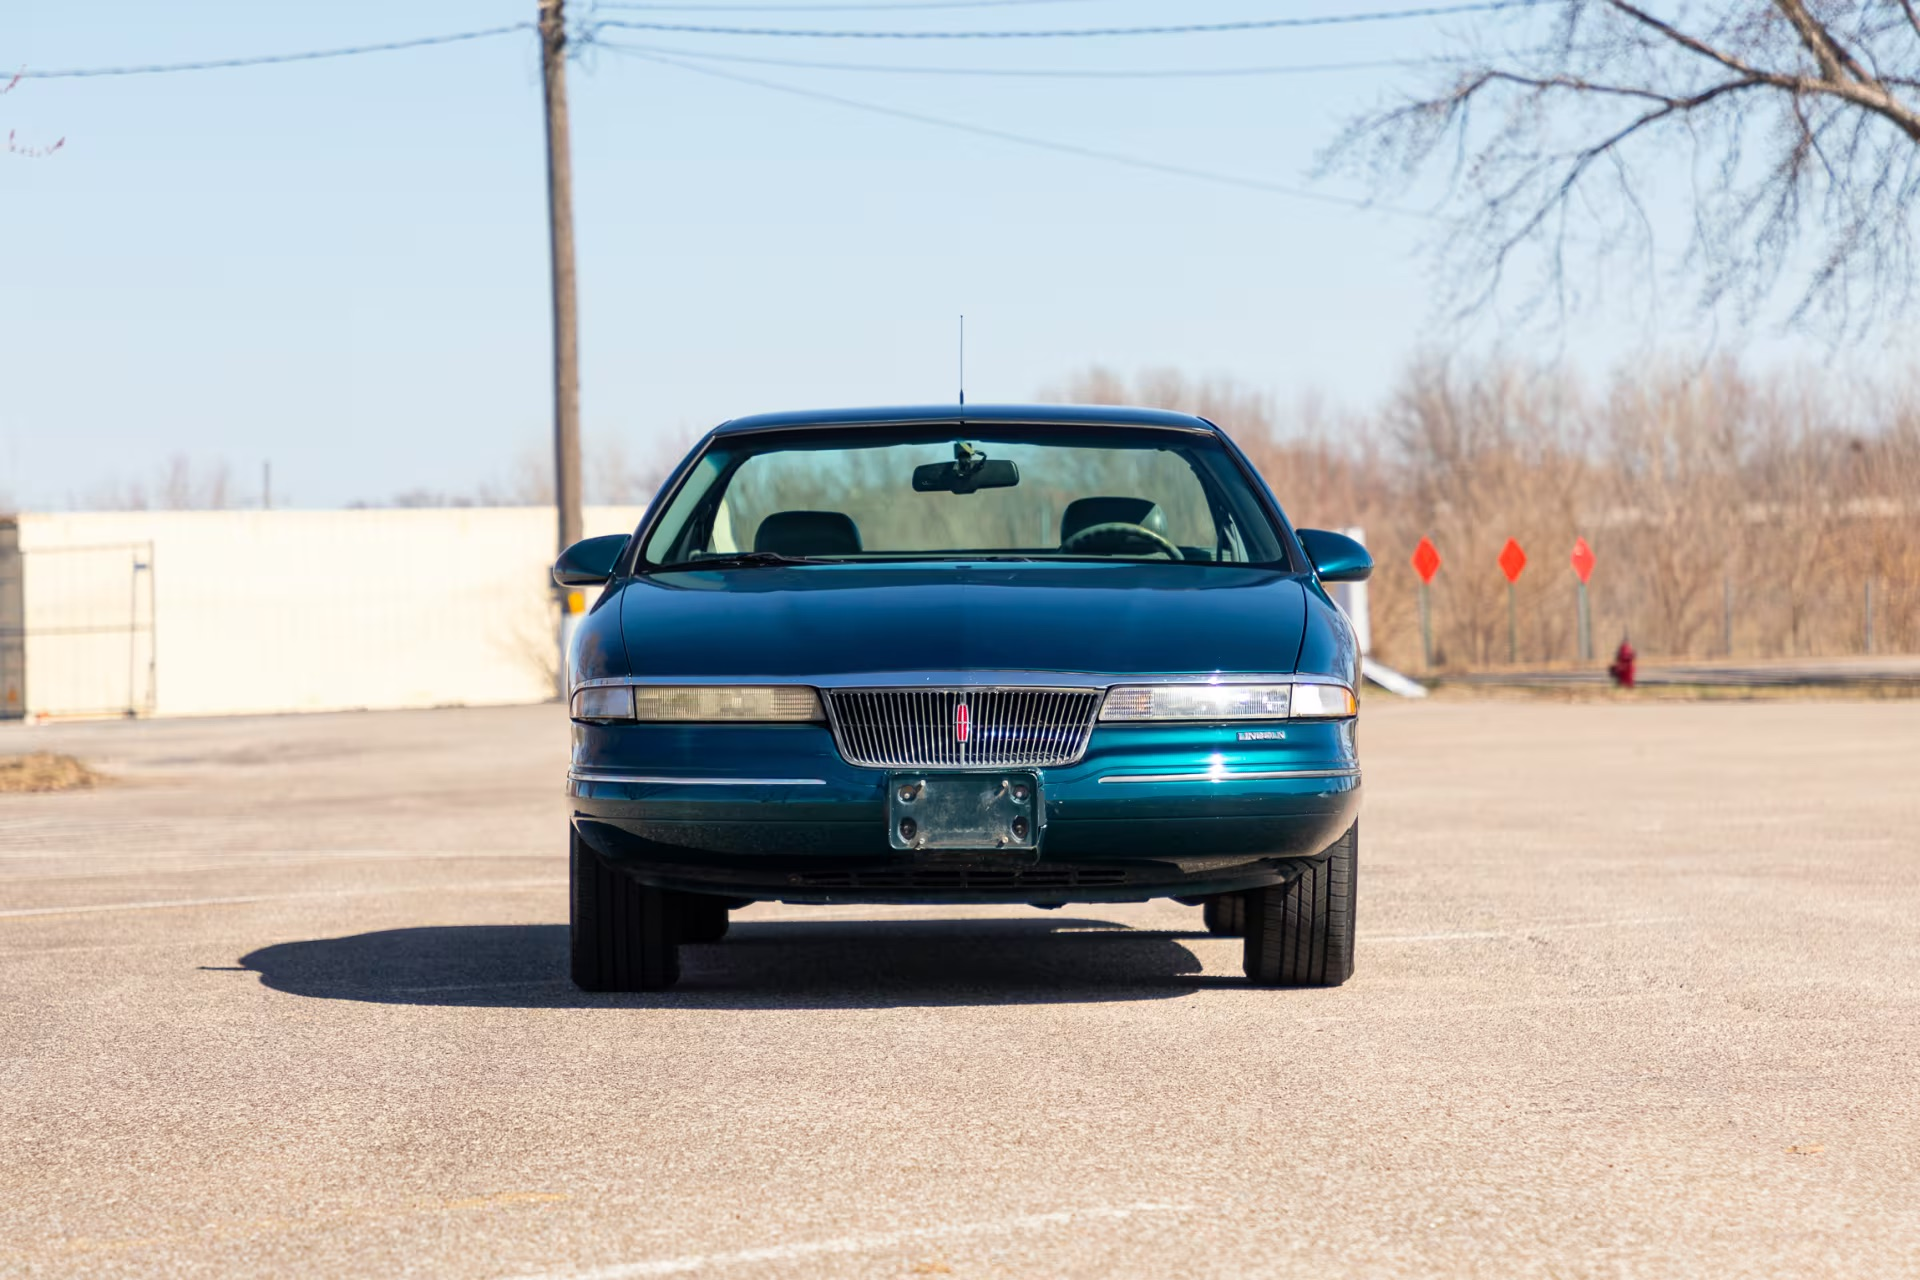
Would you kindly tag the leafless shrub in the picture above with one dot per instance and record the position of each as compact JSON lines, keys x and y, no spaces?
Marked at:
{"x":531,"y":640}
{"x":1670,"y":493}
{"x":1485,"y":456}
{"x":1785,"y":496}
{"x":179,"y":484}
{"x":614,"y":474}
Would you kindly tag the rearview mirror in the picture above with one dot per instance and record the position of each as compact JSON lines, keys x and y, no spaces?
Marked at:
{"x":1335,"y":556}
{"x":589,"y":563}
{"x":955,"y":477}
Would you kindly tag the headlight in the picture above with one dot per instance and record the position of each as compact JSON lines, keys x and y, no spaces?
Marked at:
{"x":1198,"y":702}
{"x":698,"y":704}
{"x":1227,"y":702}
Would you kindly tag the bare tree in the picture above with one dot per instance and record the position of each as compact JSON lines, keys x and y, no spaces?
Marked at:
{"x":1240,"y":409}
{"x":183,"y":488}
{"x":1799,"y":518}
{"x":616,"y":479}
{"x":1790,"y":496}
{"x":1792,"y":127}
{"x":14,"y":145}
{"x":612,"y":478}
{"x":1674,"y":446}
{"x":1488,"y":453}
{"x":528,"y":483}
{"x":178,"y":485}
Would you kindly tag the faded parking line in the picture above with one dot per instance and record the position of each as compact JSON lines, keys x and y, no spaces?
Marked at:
{"x":166,"y":904}
{"x":857,"y":1244}
{"x":1527,"y":931}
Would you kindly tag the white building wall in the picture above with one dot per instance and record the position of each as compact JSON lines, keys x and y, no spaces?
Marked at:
{"x":269,"y":611}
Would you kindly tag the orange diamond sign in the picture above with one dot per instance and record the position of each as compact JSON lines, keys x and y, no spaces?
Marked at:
{"x":1426,"y":560}
{"x":1582,"y":559}
{"x":1512,"y":560}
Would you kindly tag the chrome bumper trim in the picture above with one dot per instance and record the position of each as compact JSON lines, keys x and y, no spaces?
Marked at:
{"x":573,"y":776}
{"x":1003,"y":679}
{"x":1222,"y":775}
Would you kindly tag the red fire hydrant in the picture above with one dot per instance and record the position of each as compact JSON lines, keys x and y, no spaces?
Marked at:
{"x":1622,"y":668}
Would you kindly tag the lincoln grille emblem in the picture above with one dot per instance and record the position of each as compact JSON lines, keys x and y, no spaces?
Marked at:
{"x":961,"y":722}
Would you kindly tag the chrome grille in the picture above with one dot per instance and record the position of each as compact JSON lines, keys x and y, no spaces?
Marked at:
{"x":919,"y":728}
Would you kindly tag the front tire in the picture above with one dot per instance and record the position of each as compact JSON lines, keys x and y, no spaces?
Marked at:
{"x":1301,"y":934}
{"x":625,"y":936}
{"x":1225,"y":915}
{"x":703,"y":918}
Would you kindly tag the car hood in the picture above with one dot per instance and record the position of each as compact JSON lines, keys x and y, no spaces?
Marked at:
{"x":830,"y":619}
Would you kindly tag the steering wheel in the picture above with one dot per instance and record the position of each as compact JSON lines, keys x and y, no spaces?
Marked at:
{"x":1119,"y":531}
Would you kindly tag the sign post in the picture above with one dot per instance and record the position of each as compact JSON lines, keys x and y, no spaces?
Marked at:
{"x":1583,"y":568}
{"x":1512,"y":561}
{"x":1426,"y":563}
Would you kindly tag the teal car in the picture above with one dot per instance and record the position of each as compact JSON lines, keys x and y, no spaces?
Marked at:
{"x":981,"y":654}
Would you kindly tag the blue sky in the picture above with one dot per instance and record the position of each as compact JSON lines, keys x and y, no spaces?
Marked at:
{"x":341,"y":265}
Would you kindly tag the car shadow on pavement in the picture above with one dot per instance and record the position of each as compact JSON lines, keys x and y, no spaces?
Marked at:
{"x":759,"y":965}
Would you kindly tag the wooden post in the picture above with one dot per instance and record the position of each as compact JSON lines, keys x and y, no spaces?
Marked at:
{"x":1426,"y":628}
{"x":1586,"y":625}
{"x":1513,"y":630}
{"x":566,"y":314}
{"x":1726,"y":611}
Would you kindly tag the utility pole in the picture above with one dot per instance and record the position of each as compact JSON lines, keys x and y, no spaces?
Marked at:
{"x":566,"y":312}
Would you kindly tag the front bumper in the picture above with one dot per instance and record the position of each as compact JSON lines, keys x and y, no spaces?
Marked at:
{"x":1149,"y":811}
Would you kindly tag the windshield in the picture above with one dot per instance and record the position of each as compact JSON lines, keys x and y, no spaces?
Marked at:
{"x":1136,"y":494}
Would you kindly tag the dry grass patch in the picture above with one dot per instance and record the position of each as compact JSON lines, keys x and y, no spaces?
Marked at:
{"x":1862,"y":691}
{"x":45,"y":771}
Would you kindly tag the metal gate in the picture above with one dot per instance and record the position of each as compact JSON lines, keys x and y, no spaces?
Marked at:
{"x":77,"y":634}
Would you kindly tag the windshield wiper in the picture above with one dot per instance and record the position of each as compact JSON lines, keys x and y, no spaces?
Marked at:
{"x":741,"y":559}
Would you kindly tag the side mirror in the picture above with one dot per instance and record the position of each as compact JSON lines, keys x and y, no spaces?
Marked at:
{"x":1335,"y":556}
{"x":589,"y":563}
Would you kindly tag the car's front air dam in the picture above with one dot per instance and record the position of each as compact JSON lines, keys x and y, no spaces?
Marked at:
{"x":840,"y":876}
{"x":766,"y":854}
{"x":1147,"y":811}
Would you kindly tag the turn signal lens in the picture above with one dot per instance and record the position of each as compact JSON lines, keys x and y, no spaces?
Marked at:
{"x":1198,"y":702}
{"x":1229,"y":702}
{"x":604,"y":702}
{"x":1323,"y":702}
{"x":697,"y":704}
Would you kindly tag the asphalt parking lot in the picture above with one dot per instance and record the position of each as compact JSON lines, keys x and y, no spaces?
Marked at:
{"x":1638,"y":994}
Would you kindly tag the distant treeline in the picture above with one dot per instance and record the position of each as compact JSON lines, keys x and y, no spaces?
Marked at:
{"x":1729,"y":512}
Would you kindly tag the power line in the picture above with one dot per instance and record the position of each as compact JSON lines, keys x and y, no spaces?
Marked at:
{"x":1045,"y":73}
{"x":457,"y":37}
{"x":893,"y":6}
{"x":672,"y":58}
{"x":271,"y":59}
{"x":1025,"y":140}
{"x":1193,"y":28}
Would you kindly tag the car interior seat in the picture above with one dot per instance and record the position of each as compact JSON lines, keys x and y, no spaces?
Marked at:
{"x":808,"y":533}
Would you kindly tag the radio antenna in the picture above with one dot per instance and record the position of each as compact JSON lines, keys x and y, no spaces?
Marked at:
{"x":963,"y":359}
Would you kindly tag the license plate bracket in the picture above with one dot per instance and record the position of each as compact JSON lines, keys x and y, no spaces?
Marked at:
{"x":996,"y":811}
